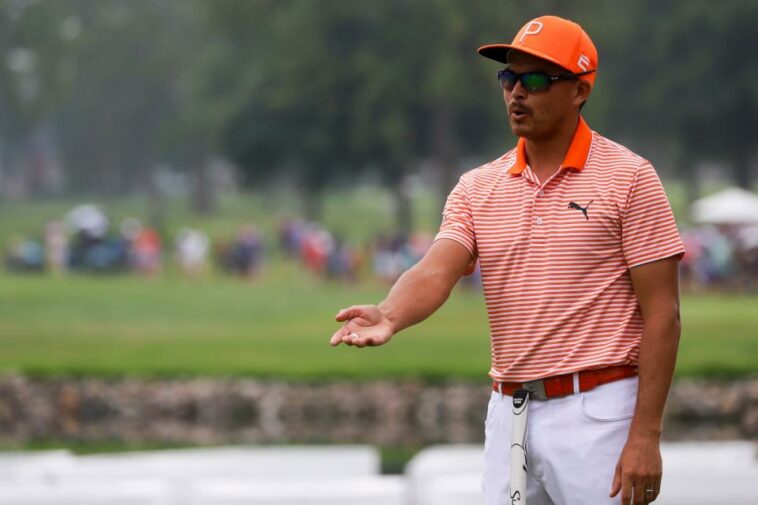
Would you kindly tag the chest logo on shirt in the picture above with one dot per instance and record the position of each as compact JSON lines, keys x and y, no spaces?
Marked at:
{"x":576,"y":206}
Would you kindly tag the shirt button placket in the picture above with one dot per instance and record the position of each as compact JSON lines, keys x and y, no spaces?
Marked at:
{"x":539,"y":236}
{"x":538,"y":206}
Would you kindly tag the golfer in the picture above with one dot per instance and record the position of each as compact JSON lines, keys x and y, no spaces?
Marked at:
{"x":578,"y":251}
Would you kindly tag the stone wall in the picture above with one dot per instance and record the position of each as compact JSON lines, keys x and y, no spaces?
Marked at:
{"x":233,"y":411}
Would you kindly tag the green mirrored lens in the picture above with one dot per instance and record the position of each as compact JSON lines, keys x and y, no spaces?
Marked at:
{"x":535,"y":82}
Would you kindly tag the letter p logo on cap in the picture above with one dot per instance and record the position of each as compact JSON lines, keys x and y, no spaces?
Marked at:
{"x":532,"y":28}
{"x":557,"y":40}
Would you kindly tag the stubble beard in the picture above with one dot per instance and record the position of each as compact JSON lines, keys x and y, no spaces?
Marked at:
{"x":526,"y":129}
{"x":535,"y":131}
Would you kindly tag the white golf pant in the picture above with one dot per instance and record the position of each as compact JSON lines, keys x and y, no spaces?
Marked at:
{"x":573,"y":445}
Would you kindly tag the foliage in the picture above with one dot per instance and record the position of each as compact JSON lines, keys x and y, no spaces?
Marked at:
{"x":696,"y":86}
{"x":328,"y":93}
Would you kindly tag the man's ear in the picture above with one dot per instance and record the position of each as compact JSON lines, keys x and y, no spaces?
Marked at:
{"x":582,"y":92}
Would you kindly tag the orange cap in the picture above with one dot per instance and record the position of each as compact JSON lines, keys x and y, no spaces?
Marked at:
{"x":554,"y":39}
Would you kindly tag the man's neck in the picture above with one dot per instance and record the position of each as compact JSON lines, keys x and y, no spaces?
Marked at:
{"x":546,"y":155}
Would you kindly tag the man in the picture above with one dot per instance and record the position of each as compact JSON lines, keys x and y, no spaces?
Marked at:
{"x":578,"y":251}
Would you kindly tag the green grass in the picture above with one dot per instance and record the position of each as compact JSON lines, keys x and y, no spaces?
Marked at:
{"x":719,"y":336}
{"x":279,"y":327}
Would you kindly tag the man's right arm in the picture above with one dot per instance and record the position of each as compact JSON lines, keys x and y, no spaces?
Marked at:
{"x":416,"y":295}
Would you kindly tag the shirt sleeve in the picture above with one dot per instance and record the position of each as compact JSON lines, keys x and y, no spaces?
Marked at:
{"x":458,"y":222}
{"x":648,"y":229}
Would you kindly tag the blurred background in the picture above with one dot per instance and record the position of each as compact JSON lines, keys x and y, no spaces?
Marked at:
{"x":190,"y":190}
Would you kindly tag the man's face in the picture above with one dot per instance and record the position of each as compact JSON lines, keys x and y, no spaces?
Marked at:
{"x":541,"y":115}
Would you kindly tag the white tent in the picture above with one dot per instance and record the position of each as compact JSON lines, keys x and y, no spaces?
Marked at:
{"x":730,"y":206}
{"x":89,"y":218}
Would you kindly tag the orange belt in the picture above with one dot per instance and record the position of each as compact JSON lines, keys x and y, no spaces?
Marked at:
{"x":562,"y":385}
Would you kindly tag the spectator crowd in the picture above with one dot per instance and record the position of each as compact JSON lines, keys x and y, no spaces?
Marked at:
{"x":720,"y":258}
{"x":717,"y":257}
{"x":82,"y":242}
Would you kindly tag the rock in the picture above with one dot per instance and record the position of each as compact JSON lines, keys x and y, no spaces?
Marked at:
{"x":411,"y":413}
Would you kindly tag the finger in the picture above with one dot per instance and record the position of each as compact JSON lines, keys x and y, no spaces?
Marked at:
{"x":627,"y":488}
{"x":657,"y":488}
{"x":350,"y":338}
{"x":337,"y":337}
{"x":640,"y":492}
{"x":362,"y":342}
{"x":358,"y":341}
{"x":349,"y":313}
{"x":616,"y":485}
{"x":649,"y":492}
{"x":654,"y":487}
{"x":366,"y":341}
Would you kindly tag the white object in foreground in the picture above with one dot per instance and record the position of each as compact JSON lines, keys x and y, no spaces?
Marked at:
{"x":378,"y":490}
{"x":694,"y":473}
{"x":18,"y":465}
{"x":186,"y":465}
{"x":144,"y":492}
{"x":520,"y":413}
{"x":446,"y":475}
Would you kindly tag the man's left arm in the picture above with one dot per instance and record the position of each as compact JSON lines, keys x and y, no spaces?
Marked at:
{"x":656,"y":286}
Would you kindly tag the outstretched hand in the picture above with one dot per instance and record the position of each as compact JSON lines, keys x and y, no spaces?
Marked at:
{"x":365,"y":325}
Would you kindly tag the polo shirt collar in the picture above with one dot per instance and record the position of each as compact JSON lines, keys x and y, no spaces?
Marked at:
{"x":575,"y":158}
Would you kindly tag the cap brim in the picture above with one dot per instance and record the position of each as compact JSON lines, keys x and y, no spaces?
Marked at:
{"x":499,"y":52}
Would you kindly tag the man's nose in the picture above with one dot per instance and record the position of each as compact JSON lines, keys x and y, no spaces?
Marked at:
{"x":518,"y":91}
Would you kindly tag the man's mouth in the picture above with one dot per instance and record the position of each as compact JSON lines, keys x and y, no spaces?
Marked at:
{"x":518,"y":112}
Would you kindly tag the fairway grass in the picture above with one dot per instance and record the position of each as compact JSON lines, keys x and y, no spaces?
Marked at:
{"x":279,"y":326}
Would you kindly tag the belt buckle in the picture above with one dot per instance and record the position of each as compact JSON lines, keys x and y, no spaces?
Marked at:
{"x":536,"y":389}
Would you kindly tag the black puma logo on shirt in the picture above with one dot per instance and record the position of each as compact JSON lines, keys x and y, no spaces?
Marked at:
{"x":576,"y":206}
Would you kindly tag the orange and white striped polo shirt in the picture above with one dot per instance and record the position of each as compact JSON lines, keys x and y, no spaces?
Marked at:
{"x":555,"y":256}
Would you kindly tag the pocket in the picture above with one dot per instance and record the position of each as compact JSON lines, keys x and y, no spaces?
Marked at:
{"x":494,"y":420}
{"x":491,"y":406}
{"x":496,"y":433}
{"x":610,"y":402}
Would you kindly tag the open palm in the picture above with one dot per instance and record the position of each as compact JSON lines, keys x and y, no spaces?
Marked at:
{"x":365,"y":325}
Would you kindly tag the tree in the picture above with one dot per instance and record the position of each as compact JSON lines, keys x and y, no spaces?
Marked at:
{"x":692,"y":66}
{"x":34,"y":74}
{"x":329,"y":91}
{"x":105,"y":77}
{"x":285,"y":106}
{"x":115,"y":121}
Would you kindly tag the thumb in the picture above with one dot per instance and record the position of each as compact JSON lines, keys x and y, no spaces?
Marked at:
{"x":616,"y":485}
{"x":349,"y":313}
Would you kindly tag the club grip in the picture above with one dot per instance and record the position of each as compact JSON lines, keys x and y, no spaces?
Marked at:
{"x":518,"y":447}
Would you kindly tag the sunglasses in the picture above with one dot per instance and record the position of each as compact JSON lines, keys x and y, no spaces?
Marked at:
{"x":534,"y":82}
